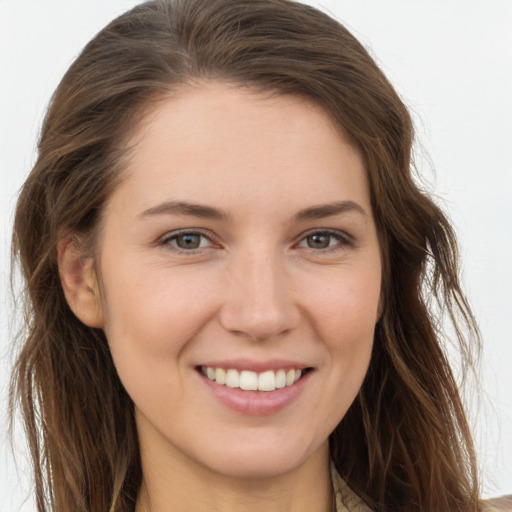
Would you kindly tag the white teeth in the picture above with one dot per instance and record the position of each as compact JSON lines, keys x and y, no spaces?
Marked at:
{"x":220,"y":376}
{"x":252,"y":381}
{"x":232,"y":379}
{"x":248,"y":380}
{"x":280,"y":379}
{"x":267,"y":381}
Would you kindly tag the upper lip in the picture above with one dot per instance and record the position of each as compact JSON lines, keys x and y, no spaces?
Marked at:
{"x":256,"y":366}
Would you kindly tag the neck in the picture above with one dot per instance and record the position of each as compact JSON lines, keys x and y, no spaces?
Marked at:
{"x":180,"y":485}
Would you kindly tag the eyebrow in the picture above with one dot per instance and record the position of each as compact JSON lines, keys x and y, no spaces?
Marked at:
{"x":208,"y":212}
{"x":184,"y":208}
{"x":322,"y":211}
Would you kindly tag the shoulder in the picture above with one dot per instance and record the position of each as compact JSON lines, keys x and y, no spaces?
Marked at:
{"x":502,"y":504}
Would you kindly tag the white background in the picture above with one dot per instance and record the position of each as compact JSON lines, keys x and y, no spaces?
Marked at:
{"x":452,"y":63}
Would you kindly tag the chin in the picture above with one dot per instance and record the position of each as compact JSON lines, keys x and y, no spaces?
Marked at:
{"x":252,"y":460}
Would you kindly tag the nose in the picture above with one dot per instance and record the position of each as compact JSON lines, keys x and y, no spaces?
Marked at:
{"x":259,"y":299}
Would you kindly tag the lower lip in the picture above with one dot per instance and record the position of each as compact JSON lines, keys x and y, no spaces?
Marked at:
{"x":256,"y":403}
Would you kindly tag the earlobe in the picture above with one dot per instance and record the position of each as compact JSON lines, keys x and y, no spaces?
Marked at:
{"x":79,"y":283}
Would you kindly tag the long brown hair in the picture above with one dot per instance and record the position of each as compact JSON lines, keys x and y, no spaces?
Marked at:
{"x":405,"y":442}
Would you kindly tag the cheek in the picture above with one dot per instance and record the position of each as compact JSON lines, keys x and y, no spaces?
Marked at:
{"x":156,"y":308}
{"x":347,"y":308}
{"x":345,"y":316}
{"x":150,"y":321}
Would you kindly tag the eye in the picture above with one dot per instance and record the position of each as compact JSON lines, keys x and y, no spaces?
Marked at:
{"x":186,"y":240}
{"x":324,"y":240}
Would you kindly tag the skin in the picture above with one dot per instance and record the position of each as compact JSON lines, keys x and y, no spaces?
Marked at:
{"x":259,"y":286}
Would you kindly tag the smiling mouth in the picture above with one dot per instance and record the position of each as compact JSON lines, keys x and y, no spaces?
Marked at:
{"x":247,"y":380}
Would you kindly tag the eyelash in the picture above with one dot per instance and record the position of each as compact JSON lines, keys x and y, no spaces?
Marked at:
{"x":175,"y":235}
{"x":343,"y":240}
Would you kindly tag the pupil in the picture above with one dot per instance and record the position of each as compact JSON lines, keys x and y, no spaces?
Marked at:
{"x":319,"y":241}
{"x":188,"y":241}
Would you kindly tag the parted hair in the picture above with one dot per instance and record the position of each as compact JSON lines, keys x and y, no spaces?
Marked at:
{"x":404,"y":444}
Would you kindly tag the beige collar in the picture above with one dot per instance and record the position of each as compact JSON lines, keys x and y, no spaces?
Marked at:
{"x":345,"y":499}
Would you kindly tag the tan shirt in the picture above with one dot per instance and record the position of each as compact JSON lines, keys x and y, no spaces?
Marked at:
{"x":346,"y":500}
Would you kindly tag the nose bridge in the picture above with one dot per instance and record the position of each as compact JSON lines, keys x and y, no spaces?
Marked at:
{"x":259,"y":301}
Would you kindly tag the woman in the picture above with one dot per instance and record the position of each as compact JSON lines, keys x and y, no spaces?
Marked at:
{"x":228,"y":265}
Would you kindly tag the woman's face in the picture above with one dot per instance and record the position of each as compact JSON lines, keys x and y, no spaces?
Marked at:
{"x":240,"y":246}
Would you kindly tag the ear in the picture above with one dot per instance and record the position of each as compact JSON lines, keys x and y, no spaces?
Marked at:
{"x":79,"y":283}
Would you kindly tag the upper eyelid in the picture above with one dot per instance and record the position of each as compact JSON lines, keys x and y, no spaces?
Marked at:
{"x":186,"y":231}
{"x":343,"y":235}
{"x":171,"y":235}
{"x":344,"y":243}
{"x":335,"y":232}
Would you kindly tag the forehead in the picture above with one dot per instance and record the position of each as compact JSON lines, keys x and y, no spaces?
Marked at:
{"x":219,"y":141}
